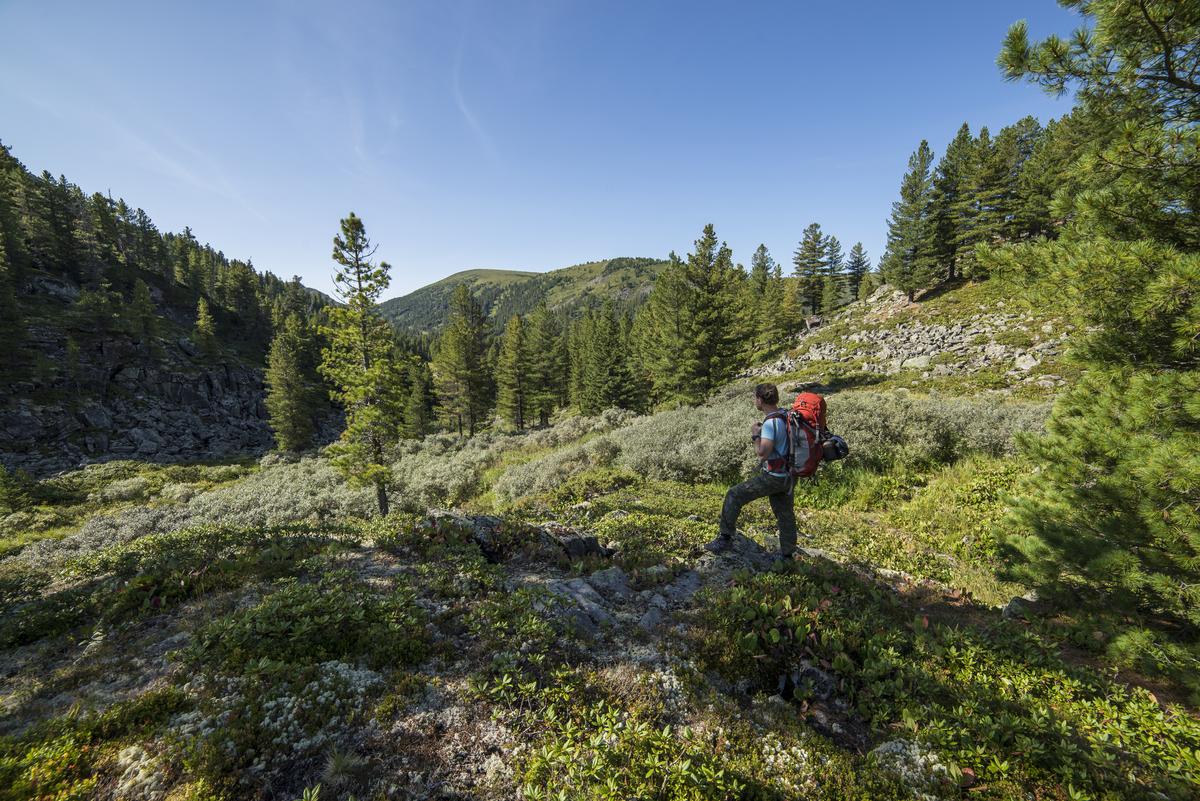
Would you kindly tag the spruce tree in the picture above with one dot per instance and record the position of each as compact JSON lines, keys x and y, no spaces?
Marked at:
{"x":909,"y":263}
{"x":809,"y":262}
{"x":359,"y":363}
{"x":857,"y":267}
{"x":461,"y":366}
{"x":204,"y":334}
{"x":514,"y":399}
{"x":291,"y":392}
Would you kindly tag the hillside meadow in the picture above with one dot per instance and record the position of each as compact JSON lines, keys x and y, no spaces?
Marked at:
{"x":539,"y":619}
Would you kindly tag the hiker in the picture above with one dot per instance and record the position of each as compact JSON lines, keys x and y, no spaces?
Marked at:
{"x":770,"y":439}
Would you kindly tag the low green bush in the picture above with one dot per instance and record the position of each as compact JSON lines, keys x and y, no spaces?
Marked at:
{"x":977,"y":694}
{"x":334,"y":618}
{"x":154,"y":573}
{"x":60,"y":758}
{"x":262,"y":731}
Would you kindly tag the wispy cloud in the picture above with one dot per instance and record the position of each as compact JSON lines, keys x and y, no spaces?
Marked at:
{"x":468,"y":115}
{"x":187,"y":164}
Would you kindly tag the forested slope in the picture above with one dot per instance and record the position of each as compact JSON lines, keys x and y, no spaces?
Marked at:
{"x":504,"y":293}
{"x":123,"y":341}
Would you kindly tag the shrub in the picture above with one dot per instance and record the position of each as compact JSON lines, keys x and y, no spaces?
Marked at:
{"x":520,"y":630}
{"x":977,"y":695}
{"x":543,"y":475}
{"x":129,"y":489}
{"x":305,"y":490}
{"x":335,"y":618}
{"x":265,"y":728}
{"x":886,"y":428}
{"x":154,"y":573}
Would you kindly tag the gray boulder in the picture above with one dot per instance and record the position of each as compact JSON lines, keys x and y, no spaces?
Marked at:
{"x":612,"y":582}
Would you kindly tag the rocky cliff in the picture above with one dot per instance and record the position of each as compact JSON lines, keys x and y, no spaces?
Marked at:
{"x":84,"y":396}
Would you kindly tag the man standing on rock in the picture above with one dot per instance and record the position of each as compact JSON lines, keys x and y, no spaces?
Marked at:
{"x":773,"y":481}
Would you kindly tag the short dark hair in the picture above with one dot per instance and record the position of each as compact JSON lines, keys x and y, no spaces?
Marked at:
{"x":768,"y":392}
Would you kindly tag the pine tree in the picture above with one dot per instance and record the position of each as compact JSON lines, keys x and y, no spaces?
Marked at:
{"x":359,"y":363}
{"x":607,"y":379}
{"x":1111,"y":526}
{"x":419,"y":406}
{"x":857,"y":267}
{"x":908,"y":263}
{"x":204,"y":334}
{"x":142,"y":314}
{"x":809,"y":261}
{"x":950,"y":183}
{"x":513,"y":372}
{"x":790,"y":317}
{"x":291,"y":392}
{"x":462,"y":365}
{"x":688,"y":333}
{"x":764,"y":298}
{"x":547,"y":365}
{"x":833,"y":279}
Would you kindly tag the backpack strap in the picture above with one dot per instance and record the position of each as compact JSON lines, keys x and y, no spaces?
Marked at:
{"x":777,"y":465}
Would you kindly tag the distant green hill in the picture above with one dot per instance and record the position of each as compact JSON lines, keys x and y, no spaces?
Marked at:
{"x":504,"y":293}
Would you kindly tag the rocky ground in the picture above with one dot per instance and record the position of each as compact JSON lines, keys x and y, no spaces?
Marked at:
{"x":887,"y":335}
{"x":442,"y":744}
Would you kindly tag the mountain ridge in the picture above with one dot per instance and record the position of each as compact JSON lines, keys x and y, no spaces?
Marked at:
{"x":503,"y":293}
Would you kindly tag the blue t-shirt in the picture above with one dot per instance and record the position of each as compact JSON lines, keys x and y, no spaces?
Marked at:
{"x":776,"y":429}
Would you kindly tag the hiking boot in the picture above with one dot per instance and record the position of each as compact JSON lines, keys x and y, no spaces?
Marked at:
{"x":782,"y":561}
{"x":719,"y":545}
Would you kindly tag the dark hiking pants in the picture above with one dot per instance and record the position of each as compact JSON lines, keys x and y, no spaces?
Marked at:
{"x":777,"y":490}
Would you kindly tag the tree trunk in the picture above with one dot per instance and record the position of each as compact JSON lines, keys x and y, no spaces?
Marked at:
{"x":382,"y":498}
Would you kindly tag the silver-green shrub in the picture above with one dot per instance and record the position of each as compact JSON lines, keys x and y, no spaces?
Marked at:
{"x":884,"y":427}
{"x":545,"y":473}
{"x":282,"y":493}
{"x":712,"y":442}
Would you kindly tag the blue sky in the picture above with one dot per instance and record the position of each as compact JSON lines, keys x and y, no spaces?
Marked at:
{"x":516,"y":135}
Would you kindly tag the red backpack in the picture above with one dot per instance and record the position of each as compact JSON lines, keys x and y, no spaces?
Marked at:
{"x":809,"y":440}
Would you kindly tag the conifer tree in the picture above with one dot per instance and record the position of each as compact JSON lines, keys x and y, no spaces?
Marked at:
{"x":606,"y":379}
{"x":790,"y":317}
{"x":419,"y":405}
{"x":688,"y":332}
{"x":461,"y":367}
{"x":764,"y":296}
{"x":291,"y":392}
{"x":833,"y":279}
{"x":359,"y":363}
{"x":809,"y":262}
{"x":951,"y":183}
{"x":143,"y":316}
{"x":204,"y":334}
{"x":1112,"y":520}
{"x":908,"y":263}
{"x":514,"y":399}
{"x":547,"y":364}
{"x":857,"y":267}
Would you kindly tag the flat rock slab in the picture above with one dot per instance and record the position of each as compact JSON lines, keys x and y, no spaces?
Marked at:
{"x":589,"y":605}
{"x":612,"y":583}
